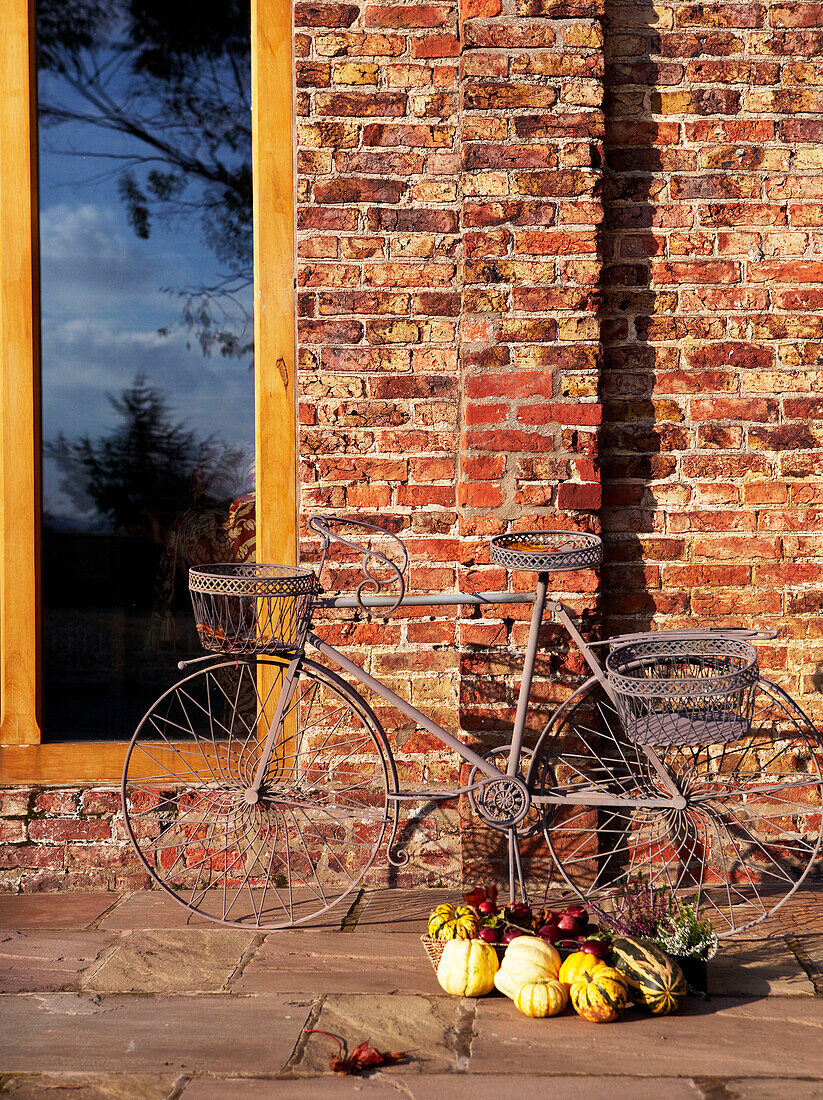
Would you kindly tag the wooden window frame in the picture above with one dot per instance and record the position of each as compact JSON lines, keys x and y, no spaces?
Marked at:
{"x":24,"y":757}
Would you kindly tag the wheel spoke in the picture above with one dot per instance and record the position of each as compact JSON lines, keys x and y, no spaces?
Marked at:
{"x":752,"y":813}
{"x":322,"y":809}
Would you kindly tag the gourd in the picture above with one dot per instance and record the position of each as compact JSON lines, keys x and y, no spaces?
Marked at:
{"x":448,"y":922}
{"x":467,"y":968}
{"x":600,"y":997}
{"x":654,"y":980}
{"x":578,"y":964}
{"x":527,"y":959}
{"x":543,"y":998}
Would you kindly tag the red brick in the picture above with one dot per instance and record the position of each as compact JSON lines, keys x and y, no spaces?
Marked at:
{"x":325,"y":15}
{"x":360,"y":104}
{"x":589,"y":414}
{"x":436,"y":45}
{"x":796,"y":15}
{"x":31,"y":855}
{"x":579,"y":496}
{"x":699,"y":271}
{"x":12,"y":830}
{"x":407,"y":15}
{"x":355,"y":190}
{"x":57,"y":831}
{"x":480,"y":494}
{"x":14,"y":801}
{"x":485,"y":468}
{"x":56,"y":802}
{"x":785,"y":271}
{"x":426,"y":469}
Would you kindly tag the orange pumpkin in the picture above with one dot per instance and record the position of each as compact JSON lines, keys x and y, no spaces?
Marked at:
{"x":575,"y":966}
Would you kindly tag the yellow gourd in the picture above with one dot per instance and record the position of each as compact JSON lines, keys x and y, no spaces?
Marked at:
{"x":527,"y":959}
{"x":540,"y":999}
{"x":467,"y":968}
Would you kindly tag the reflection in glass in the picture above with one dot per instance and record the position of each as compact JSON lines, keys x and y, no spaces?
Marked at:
{"x":145,"y":233}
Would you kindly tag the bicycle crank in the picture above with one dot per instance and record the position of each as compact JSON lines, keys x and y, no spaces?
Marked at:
{"x":502,"y":803}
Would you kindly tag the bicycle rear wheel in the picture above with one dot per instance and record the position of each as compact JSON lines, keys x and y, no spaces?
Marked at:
{"x":321,"y":815}
{"x":750,"y":831}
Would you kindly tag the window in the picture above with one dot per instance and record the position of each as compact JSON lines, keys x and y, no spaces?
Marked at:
{"x":100,"y":543}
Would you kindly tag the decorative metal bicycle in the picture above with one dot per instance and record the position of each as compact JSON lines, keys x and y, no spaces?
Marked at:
{"x":259,"y":789}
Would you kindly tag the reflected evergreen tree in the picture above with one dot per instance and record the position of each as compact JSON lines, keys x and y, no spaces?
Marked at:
{"x":148,"y":469}
{"x":171,"y":79}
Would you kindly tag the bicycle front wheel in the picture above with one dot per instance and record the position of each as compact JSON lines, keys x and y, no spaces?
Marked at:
{"x":750,"y":831}
{"x":320,"y":815}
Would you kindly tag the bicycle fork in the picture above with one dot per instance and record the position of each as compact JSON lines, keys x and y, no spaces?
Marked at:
{"x":252,"y":794}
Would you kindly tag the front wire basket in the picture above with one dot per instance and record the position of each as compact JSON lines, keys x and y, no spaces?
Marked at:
{"x":252,"y":607}
{"x":684,"y":691}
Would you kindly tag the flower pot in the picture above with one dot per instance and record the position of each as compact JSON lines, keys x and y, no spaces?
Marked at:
{"x":695,"y":973}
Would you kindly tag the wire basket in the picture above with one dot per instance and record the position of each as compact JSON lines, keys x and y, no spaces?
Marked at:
{"x":684,"y":691}
{"x":251,"y":607}
{"x":547,"y":551}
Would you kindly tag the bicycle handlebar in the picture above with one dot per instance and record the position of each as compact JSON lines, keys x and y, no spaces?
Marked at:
{"x":323,"y":526}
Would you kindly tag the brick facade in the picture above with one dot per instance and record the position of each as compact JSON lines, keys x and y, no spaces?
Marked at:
{"x":509,"y":213}
{"x":712,"y":324}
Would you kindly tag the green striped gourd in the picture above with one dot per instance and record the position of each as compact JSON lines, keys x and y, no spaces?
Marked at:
{"x":449,"y":922}
{"x":654,"y":979}
{"x":599,"y":997}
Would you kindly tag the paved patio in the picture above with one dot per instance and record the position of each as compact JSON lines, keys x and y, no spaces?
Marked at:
{"x":116,"y":996}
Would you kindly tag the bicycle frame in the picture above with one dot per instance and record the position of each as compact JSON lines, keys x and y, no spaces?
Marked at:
{"x":540,"y":606}
{"x":670,"y":797}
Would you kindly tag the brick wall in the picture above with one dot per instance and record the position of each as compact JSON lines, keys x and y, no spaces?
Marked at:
{"x":476,"y":276}
{"x":448,"y":169}
{"x":64,"y":838}
{"x":712,"y":323}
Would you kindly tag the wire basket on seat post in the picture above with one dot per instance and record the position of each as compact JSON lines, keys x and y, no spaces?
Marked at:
{"x":684,"y":691}
{"x":251,"y":607}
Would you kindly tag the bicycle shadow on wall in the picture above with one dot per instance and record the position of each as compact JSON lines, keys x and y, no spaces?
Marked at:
{"x":638,"y":467}
{"x":490,"y":682}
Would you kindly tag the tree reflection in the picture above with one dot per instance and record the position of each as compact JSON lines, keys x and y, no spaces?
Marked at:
{"x":169,"y":82}
{"x":149,"y":469}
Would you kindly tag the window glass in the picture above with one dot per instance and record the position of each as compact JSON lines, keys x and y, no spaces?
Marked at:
{"x":146,"y":299}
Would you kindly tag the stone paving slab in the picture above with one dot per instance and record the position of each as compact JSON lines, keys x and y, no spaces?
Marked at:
{"x":32,"y":962}
{"x":84,"y":1033}
{"x":400,"y":910}
{"x":90,"y":1086}
{"x":435,"y":1031}
{"x":454,"y":1086}
{"x":810,"y":948}
{"x":187,"y":960}
{"x":723,"y":1037}
{"x":41,"y":911}
{"x":771,"y":1088}
{"x":757,"y":968}
{"x":801,"y":913}
{"x":325,"y":962}
{"x":157,"y":909}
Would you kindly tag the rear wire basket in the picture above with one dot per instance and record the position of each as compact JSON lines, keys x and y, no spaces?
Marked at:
{"x":684,"y":691}
{"x":252,"y":607}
